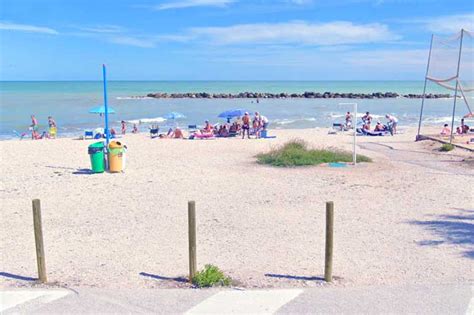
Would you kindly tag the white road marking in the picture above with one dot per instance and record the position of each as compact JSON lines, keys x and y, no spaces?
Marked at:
{"x":12,"y":298}
{"x":248,"y":302}
{"x":470,"y":306}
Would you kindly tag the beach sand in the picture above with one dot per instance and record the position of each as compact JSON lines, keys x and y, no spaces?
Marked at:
{"x":405,"y":218}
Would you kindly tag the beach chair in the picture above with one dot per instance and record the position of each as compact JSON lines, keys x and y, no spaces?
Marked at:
{"x":264,"y":135}
{"x":154,"y":132}
{"x":192,"y":128}
{"x":88,"y":134}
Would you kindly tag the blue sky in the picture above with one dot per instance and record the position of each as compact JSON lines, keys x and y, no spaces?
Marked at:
{"x":223,"y":39}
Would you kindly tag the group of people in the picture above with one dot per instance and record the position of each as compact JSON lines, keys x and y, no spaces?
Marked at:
{"x":392,"y":123}
{"x":244,"y":126}
{"x":35,"y":133}
{"x":462,"y":129}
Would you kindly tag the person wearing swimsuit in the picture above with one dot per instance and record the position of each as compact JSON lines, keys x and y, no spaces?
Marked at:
{"x":246,"y":125}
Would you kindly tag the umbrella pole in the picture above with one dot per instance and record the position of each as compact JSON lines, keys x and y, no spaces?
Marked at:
{"x":106,"y":114}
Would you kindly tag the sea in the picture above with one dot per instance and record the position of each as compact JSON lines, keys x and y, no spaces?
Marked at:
{"x":69,"y":103}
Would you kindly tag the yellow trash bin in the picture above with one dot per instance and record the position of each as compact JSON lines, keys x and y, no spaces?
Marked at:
{"x":116,"y":156}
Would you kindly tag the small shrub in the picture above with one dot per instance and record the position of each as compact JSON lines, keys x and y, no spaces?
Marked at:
{"x":211,"y":276}
{"x":296,"y":153}
{"x":446,"y":147}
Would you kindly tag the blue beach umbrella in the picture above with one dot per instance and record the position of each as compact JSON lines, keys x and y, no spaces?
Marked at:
{"x":101,"y":110}
{"x":174,"y":115}
{"x":231,"y":113}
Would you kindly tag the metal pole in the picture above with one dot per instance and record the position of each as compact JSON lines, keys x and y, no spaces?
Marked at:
{"x":456,"y":91}
{"x":354,"y":154}
{"x":107,"y":133}
{"x":424,"y":88}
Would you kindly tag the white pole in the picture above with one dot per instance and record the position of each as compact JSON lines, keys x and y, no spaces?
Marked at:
{"x":354,"y":155}
{"x":457,"y":85}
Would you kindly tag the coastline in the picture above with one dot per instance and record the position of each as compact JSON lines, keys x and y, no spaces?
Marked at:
{"x":283,"y":95}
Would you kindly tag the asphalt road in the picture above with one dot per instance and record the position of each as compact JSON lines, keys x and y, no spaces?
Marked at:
{"x":419,"y":299}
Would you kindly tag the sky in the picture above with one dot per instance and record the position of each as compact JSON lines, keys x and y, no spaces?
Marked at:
{"x":224,"y":39}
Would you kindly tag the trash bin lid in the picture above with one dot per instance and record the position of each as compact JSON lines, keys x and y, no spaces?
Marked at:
{"x":115,"y":145}
{"x":97,"y":145}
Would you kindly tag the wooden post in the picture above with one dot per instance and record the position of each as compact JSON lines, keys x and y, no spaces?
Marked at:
{"x":192,"y":239}
{"x":40,"y":259}
{"x":329,"y":241}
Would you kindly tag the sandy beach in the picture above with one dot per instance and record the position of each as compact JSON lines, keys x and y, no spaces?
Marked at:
{"x":405,"y":218}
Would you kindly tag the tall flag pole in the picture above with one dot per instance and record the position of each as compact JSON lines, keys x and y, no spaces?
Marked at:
{"x":107,"y":132}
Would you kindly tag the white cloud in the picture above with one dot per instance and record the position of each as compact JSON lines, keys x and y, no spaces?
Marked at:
{"x":300,"y":2}
{"x":450,"y":23}
{"x":102,"y":29}
{"x":193,"y":3}
{"x":298,"y":32}
{"x":26,"y":28}
{"x":132,"y":41}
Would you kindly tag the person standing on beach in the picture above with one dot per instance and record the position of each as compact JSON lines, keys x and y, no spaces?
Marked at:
{"x":124,"y":127}
{"x":392,"y":123}
{"x":34,"y":127}
{"x":246,"y":125}
{"x":367,"y":120}
{"x":348,"y":120}
{"x":52,"y":127}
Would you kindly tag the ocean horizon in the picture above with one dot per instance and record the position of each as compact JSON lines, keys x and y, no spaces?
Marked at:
{"x":69,"y":101}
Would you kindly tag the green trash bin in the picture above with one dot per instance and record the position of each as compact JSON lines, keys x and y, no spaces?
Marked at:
{"x":96,"y":152}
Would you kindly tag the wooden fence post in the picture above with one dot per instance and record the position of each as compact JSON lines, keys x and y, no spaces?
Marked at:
{"x":329,"y":241}
{"x":40,"y":259}
{"x":192,"y":239}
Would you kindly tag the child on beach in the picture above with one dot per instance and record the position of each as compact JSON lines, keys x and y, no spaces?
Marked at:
{"x":52,"y":127}
{"x":135,"y":128}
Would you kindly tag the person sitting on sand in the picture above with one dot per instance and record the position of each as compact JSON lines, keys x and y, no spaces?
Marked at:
{"x":246,"y":125}
{"x":379,"y":126}
{"x":446,"y":130}
{"x":392,"y":122}
{"x":463,"y":128}
{"x":224,"y":132}
{"x":177,"y":134}
{"x":124,"y":126}
{"x":207,"y":127}
{"x":135,"y":128}
{"x":112,"y":132}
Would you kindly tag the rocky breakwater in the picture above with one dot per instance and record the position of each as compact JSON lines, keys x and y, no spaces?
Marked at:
{"x":375,"y":95}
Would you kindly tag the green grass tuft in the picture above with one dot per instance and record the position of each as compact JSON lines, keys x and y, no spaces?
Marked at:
{"x":296,"y":153}
{"x":446,"y":147}
{"x":211,"y":276}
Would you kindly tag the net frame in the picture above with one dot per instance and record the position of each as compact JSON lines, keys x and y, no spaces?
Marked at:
{"x":443,"y":82}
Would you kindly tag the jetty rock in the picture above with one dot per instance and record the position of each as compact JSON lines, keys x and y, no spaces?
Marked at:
{"x":307,"y":94}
